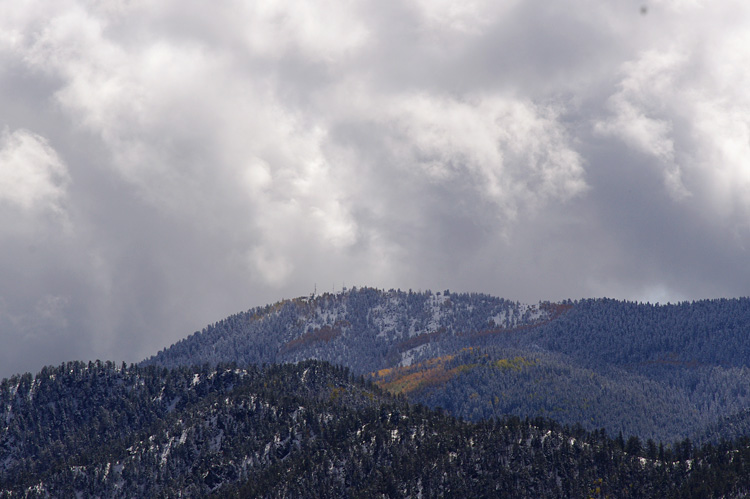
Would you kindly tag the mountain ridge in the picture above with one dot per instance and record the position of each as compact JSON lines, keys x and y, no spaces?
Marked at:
{"x":417,"y":394}
{"x":693,"y":358}
{"x":312,"y":430}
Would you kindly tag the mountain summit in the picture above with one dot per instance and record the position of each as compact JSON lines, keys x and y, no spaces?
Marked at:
{"x":656,"y":371}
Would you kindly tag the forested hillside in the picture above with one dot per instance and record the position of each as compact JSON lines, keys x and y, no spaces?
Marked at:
{"x":487,"y":383}
{"x":364,"y":329}
{"x":116,"y":431}
{"x":657,"y":371}
{"x":312,"y":430}
{"x":688,"y":334}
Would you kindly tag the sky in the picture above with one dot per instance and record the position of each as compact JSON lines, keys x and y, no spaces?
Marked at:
{"x":166,"y":164}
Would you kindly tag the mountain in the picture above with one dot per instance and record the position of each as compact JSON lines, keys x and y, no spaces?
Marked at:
{"x":364,"y":329}
{"x":312,"y":430}
{"x":665,"y":372}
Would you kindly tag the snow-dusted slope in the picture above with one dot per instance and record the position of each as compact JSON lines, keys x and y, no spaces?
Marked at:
{"x":364,"y":329}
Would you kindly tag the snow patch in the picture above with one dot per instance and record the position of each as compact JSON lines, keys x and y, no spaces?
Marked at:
{"x":501,"y":319}
{"x":173,"y":404}
{"x":165,"y":452}
{"x":407,"y":357}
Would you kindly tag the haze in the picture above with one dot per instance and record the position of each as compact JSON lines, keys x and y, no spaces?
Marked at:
{"x":163,"y":165}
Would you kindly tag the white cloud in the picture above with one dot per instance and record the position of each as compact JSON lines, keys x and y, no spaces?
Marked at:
{"x":462,"y":17}
{"x":638,"y":114}
{"x":273,"y":269}
{"x":685,"y":104}
{"x":32,"y":175}
{"x":182,"y":119}
{"x":513,"y":153}
{"x":636,"y":105}
{"x":326,"y":30}
{"x":192,"y":121}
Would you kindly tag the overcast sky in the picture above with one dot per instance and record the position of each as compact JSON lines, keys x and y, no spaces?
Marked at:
{"x":165,"y":164}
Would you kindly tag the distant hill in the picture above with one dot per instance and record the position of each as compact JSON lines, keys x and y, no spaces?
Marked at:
{"x":312,"y":430}
{"x":657,"y":371}
{"x":364,"y":329}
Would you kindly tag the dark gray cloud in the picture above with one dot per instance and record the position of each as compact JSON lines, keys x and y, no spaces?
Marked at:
{"x":164,"y":166}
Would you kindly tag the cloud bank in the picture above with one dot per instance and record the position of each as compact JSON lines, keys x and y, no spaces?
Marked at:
{"x":163,"y":166}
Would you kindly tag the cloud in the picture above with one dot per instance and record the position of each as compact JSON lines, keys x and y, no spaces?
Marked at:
{"x":511,"y":154}
{"x":683,"y":103}
{"x":276,"y":28}
{"x":276,"y":163}
{"x":636,"y":108}
{"x":470,"y":17}
{"x":165,"y":165}
{"x":33,"y":178}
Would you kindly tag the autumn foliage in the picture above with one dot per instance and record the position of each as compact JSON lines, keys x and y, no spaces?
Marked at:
{"x":325,"y":333}
{"x":430,"y":373}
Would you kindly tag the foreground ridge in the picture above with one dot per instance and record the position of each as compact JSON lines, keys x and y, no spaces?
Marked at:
{"x":98,"y":429}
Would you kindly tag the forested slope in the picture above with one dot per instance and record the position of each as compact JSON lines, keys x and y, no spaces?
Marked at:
{"x":311,"y":430}
{"x":688,"y":334}
{"x":657,"y":371}
{"x":364,"y":329}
